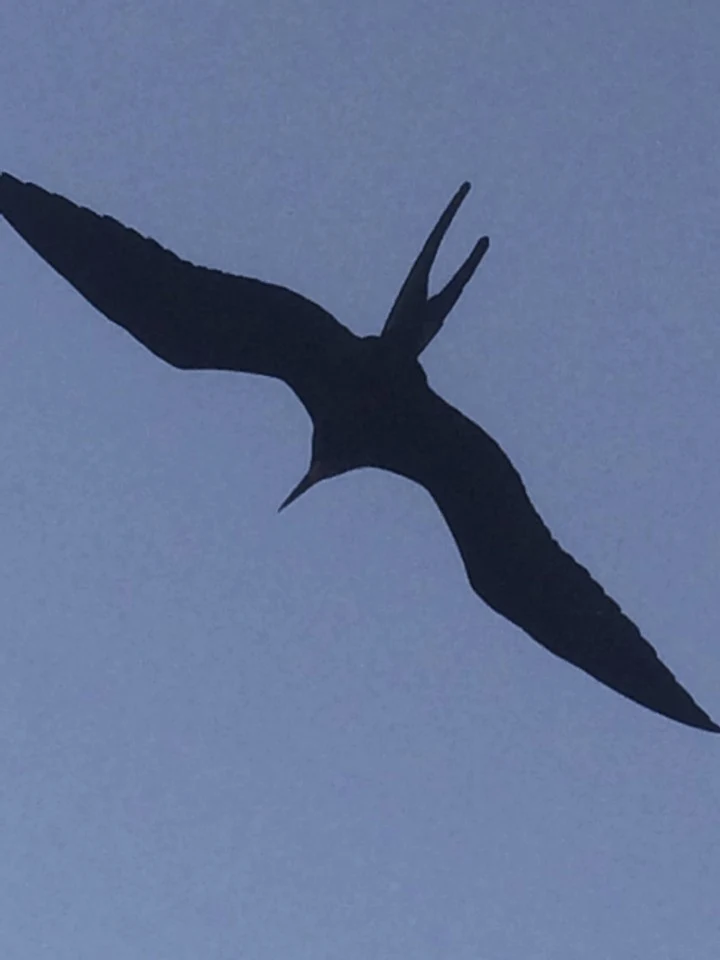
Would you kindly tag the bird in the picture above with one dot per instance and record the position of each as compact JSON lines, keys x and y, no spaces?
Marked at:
{"x":371,"y":406}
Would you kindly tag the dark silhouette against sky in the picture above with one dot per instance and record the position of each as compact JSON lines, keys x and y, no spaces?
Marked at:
{"x":231,"y":732}
{"x":371,"y":406}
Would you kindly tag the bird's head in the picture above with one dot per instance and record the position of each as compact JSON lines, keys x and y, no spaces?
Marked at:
{"x":370,"y":417}
{"x":327,"y":461}
{"x":315,"y":474}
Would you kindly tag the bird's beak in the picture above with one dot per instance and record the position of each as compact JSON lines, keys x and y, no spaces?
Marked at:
{"x":314,"y":474}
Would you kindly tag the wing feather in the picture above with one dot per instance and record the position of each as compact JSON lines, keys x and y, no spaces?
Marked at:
{"x":515,"y":565}
{"x":190,"y":316}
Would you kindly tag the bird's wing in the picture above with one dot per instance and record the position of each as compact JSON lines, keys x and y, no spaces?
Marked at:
{"x":515,"y":565}
{"x":190,"y":316}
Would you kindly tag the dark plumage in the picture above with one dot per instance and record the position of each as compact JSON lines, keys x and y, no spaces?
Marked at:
{"x":370,"y":405}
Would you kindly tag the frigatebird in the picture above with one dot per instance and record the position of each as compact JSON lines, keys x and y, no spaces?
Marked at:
{"x":371,"y":406}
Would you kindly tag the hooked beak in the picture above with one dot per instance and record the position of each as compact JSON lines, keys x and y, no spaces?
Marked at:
{"x":314,"y":474}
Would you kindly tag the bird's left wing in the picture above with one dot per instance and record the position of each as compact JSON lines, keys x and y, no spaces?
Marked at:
{"x":515,"y":565}
{"x":190,"y":316}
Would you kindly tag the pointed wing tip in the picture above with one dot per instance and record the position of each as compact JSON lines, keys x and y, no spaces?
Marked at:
{"x":665,"y":696}
{"x":677,"y":704}
{"x":7,"y":177}
{"x":691,"y":714}
{"x":705,"y":724}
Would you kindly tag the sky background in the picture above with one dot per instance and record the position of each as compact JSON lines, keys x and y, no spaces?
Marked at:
{"x":232,"y":734}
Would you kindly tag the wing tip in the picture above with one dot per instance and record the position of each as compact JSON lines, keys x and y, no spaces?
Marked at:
{"x":690,"y":714}
{"x":709,"y":725}
{"x":6,"y":178}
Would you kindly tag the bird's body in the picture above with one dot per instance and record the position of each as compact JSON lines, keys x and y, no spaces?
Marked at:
{"x":371,"y":406}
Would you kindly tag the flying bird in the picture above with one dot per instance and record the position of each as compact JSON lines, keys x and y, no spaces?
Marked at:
{"x":371,"y":406}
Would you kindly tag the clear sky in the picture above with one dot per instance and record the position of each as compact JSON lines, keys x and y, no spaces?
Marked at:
{"x":232,"y":734}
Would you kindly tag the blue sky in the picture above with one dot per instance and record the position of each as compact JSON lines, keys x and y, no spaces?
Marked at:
{"x":228,"y":733}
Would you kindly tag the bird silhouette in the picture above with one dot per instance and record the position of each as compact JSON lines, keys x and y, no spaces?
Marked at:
{"x":370,"y":406}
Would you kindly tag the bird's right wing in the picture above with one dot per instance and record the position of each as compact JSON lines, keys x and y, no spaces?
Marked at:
{"x":190,"y":316}
{"x":516,"y":566}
